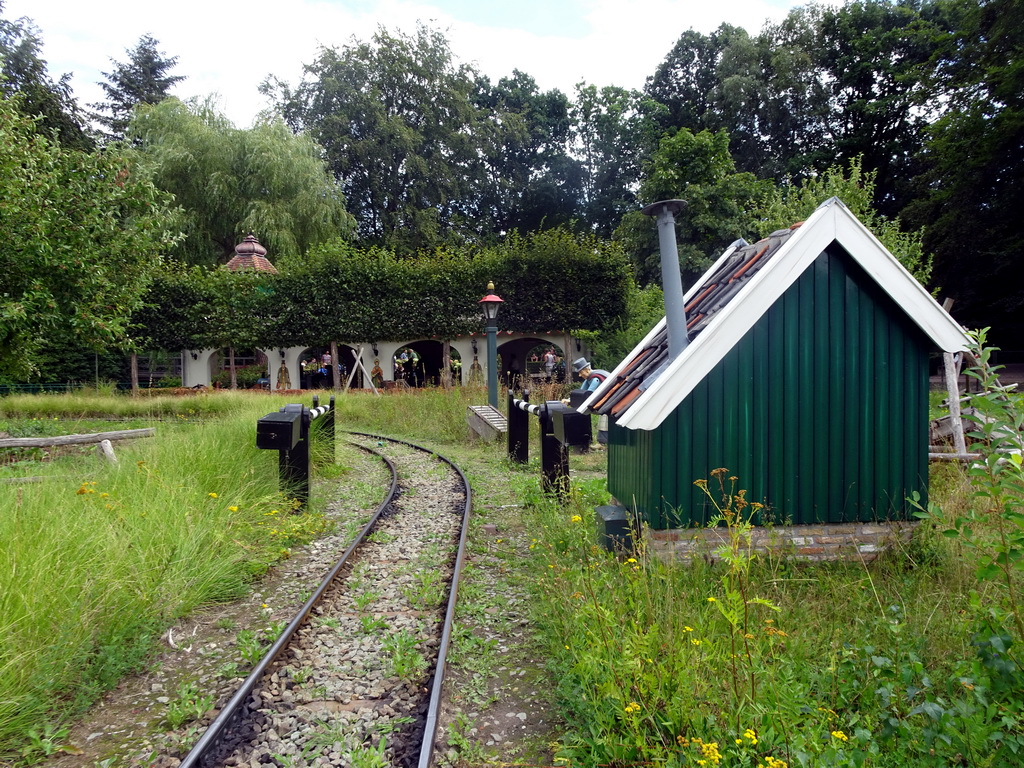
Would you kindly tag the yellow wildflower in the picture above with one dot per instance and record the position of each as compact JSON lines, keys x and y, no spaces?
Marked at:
{"x":839,"y":735}
{"x":632,"y":707}
{"x":710,"y":751}
{"x":212,"y":495}
{"x":232,"y":509}
{"x":577,"y":519}
{"x":712,"y":600}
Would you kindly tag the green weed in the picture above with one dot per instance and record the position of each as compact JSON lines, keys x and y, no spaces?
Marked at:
{"x":251,"y":645}
{"x":405,"y":660}
{"x":371,"y":625}
{"x":369,"y":756}
{"x":188,"y":705}
{"x":426,"y":591}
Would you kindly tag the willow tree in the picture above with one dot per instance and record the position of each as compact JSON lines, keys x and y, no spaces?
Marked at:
{"x":230,"y":181}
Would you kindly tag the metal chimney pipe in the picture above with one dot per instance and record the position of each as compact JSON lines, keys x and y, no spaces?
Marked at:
{"x":671,"y":277}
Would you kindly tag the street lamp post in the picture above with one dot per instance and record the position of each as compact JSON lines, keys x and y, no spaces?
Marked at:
{"x":490,"y":304}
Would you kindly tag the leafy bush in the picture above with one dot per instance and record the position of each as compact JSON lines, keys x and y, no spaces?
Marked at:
{"x":167,"y":382}
{"x":246,"y":376}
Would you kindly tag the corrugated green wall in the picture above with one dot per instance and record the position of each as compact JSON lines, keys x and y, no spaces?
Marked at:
{"x":821,"y":411}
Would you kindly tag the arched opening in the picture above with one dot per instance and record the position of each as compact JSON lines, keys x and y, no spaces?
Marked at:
{"x":516,"y":364}
{"x":419,"y":364}
{"x":313,"y":368}
{"x":545,"y":363}
{"x":456,"y":369}
{"x":346,"y":363}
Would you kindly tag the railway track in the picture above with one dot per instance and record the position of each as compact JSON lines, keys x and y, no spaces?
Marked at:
{"x":355,"y":677}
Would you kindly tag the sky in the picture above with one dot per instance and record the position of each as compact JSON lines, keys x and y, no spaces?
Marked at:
{"x":228,"y":47}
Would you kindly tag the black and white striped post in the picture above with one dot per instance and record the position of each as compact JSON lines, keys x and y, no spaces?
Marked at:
{"x":326,"y":423}
{"x":288,"y":432}
{"x":554,"y":453}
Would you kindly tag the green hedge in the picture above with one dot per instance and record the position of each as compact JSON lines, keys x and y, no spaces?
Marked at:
{"x":552,"y":280}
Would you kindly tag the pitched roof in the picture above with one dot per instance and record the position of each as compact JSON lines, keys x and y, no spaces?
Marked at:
{"x":735,"y":292}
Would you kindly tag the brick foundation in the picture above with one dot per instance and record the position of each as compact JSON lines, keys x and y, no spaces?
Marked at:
{"x":826,"y":541}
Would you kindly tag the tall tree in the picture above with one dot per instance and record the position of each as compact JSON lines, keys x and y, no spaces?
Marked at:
{"x":871,"y":67}
{"x":396,"y":118}
{"x":24,"y":73}
{"x":529,"y":180}
{"x":143,"y":79}
{"x":614,"y":129}
{"x":827,"y":84}
{"x":81,"y":233}
{"x":697,"y":168}
{"x":973,"y":189}
{"x":688,"y":80}
{"x":231,"y":181}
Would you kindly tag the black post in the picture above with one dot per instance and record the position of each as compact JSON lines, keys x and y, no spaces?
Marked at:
{"x":294,"y":463}
{"x":518,"y":430}
{"x":329,"y":430}
{"x":554,"y":458}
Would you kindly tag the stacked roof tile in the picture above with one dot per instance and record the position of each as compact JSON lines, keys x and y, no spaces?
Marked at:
{"x":734,"y":270}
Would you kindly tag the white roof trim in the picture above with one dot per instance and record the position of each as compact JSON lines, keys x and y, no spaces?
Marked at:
{"x":831,"y":222}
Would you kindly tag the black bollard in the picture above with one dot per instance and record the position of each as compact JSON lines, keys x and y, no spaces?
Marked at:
{"x":518,"y":430}
{"x":554,"y":457}
{"x":329,"y":430}
{"x":294,"y":463}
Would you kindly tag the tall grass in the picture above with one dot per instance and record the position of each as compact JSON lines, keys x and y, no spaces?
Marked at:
{"x":430,"y":413}
{"x":98,"y":559}
{"x":736,"y":661}
{"x":87,"y":403}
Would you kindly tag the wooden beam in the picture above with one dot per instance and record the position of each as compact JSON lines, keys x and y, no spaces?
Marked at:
{"x":46,"y":442}
{"x":954,"y":456}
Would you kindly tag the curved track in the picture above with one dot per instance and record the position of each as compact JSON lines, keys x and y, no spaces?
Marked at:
{"x":360,"y":667}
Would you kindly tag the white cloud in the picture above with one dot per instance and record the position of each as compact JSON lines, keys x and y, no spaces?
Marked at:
{"x":228,"y":47}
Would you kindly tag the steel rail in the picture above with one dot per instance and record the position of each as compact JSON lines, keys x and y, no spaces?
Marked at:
{"x":210,"y":738}
{"x":434,"y":706}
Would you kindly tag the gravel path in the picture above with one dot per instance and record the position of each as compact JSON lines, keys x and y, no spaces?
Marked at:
{"x":353,"y":686}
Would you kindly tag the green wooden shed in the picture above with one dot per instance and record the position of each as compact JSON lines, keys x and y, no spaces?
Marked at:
{"x":805,"y":374}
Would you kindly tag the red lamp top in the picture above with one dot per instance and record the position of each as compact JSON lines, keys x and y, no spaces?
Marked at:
{"x":490,"y":303}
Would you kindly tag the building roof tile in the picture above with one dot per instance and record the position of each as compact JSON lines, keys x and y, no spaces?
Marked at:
{"x":736,"y":267}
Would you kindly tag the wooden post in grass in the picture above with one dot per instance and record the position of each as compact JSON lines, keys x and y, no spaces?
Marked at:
{"x":952,"y":368}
